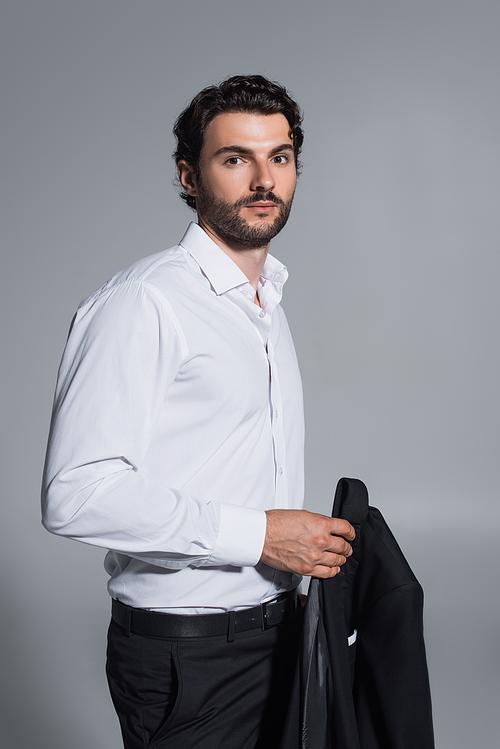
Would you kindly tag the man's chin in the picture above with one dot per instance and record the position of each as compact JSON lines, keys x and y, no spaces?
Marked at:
{"x":246,"y":241}
{"x":255,"y":236}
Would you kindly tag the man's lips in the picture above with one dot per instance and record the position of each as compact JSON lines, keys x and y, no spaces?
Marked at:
{"x":262,"y":205}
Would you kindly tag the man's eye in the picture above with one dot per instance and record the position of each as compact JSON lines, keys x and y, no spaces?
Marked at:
{"x":280,"y":159}
{"x":234,"y":160}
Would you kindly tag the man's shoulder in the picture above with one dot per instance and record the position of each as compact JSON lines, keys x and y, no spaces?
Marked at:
{"x":143,"y":270}
{"x":161,"y":270}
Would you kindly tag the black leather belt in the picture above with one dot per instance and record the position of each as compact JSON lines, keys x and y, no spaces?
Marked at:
{"x":156,"y":624}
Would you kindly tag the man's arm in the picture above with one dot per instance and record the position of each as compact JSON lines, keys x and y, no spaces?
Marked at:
{"x":122,"y":355}
{"x":306,"y":543}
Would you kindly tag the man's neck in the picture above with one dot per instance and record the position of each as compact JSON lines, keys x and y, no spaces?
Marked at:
{"x":249,"y":260}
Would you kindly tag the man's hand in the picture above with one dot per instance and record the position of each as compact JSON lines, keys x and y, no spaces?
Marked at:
{"x":306,"y":543}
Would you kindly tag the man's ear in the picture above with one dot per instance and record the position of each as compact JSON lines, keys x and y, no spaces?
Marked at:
{"x":187,"y":177}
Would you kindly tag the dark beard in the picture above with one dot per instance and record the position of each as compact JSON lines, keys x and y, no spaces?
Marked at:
{"x":225,"y":220}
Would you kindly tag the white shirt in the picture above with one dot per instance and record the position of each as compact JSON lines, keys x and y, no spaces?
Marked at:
{"x":177,"y":422}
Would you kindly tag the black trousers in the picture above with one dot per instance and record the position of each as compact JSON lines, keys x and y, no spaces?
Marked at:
{"x":203,"y":693}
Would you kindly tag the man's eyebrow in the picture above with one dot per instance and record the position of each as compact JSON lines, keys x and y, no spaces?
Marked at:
{"x":247,"y":151}
{"x":283,"y":147}
{"x":232,"y":149}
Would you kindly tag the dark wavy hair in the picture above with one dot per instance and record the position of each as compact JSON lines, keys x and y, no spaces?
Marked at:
{"x":240,"y":93}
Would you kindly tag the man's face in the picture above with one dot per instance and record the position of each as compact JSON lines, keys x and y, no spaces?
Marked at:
{"x":246,"y":180}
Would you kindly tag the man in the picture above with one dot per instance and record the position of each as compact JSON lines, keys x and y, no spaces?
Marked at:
{"x":177,"y":443}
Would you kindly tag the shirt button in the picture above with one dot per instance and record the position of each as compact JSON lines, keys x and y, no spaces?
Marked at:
{"x":276,"y":412}
{"x":262,"y":313}
{"x":280,"y":470}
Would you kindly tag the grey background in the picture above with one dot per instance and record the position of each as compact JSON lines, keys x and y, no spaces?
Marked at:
{"x":393,"y":254}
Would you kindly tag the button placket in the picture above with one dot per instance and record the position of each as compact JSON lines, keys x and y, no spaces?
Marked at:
{"x":279,"y":443}
{"x":242,"y":298}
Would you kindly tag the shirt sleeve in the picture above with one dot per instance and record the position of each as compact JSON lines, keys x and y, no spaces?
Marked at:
{"x":124,"y":350}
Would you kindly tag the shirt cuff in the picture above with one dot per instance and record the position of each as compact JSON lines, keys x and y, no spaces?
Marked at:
{"x":240,"y":541}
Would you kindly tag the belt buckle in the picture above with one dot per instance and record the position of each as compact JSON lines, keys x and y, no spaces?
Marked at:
{"x":264,"y":615}
{"x":283,"y":603}
{"x":279,"y":603}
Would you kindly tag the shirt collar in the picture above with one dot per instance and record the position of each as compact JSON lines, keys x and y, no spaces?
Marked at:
{"x":218,"y":267}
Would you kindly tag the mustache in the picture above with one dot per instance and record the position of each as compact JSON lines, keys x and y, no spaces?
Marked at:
{"x":258,"y":197}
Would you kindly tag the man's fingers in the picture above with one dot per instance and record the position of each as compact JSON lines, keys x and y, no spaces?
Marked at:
{"x":338,"y":545}
{"x":333,"y":560}
{"x":325,"y":560}
{"x":325,"y":573}
{"x":340,"y":527}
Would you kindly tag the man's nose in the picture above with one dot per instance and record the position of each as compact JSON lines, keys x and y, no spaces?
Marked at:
{"x":262,"y":179}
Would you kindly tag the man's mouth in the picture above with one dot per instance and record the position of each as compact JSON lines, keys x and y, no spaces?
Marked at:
{"x":263,"y":204}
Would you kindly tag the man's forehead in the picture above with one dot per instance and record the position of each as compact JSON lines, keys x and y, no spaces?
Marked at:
{"x":248,"y":129}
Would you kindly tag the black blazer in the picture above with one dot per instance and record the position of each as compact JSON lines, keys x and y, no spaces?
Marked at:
{"x":361,"y":680}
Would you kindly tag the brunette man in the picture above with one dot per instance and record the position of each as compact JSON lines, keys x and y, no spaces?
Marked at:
{"x":177,"y":443}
